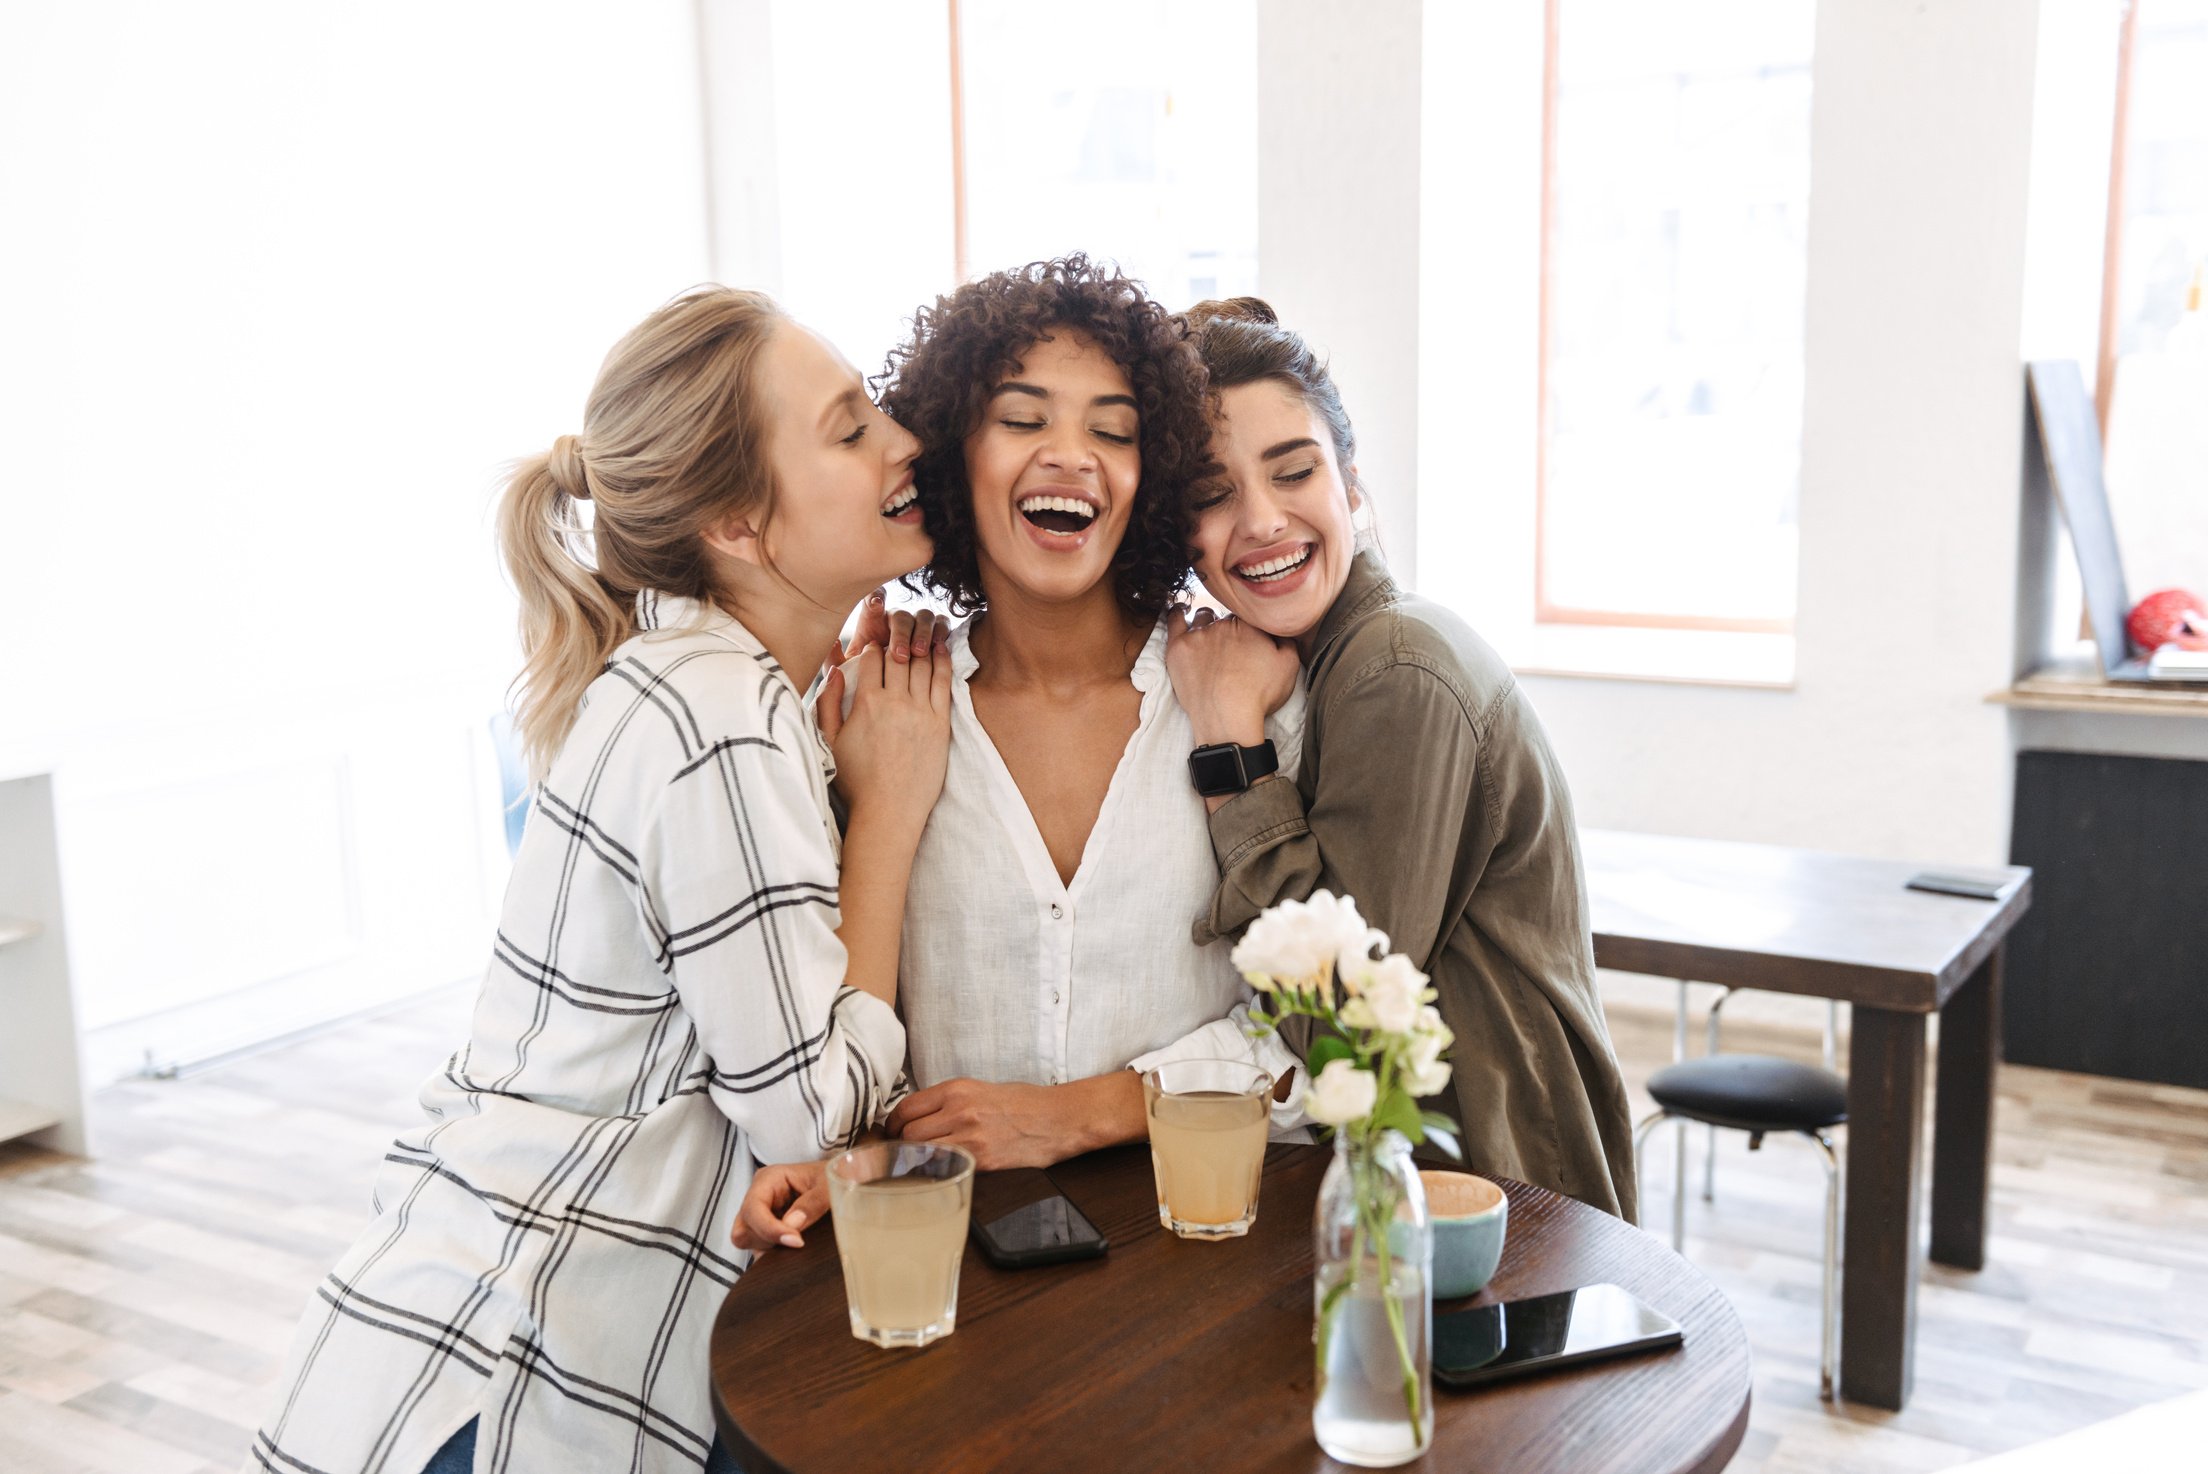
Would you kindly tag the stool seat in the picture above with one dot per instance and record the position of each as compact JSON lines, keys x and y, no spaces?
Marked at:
{"x":1751,"y":1092}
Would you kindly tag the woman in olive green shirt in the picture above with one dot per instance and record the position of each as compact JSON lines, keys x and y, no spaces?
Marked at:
{"x":1427,"y":790}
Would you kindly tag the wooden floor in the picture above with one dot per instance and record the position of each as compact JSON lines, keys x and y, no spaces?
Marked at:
{"x":146,"y":1297}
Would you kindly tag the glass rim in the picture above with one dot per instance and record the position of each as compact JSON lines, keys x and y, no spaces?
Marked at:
{"x":964,"y":1159}
{"x":1262,"y":1081}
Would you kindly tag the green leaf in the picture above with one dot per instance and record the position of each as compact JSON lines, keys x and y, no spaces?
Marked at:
{"x":1398,"y":1112}
{"x":1325,"y":1050}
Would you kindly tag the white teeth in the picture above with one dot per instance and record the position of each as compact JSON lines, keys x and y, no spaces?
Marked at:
{"x":1274,"y":569}
{"x":902,"y":500}
{"x":1057,"y":504}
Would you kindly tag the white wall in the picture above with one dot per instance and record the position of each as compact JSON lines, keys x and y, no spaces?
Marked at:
{"x":283,"y":287}
{"x":1338,"y":89}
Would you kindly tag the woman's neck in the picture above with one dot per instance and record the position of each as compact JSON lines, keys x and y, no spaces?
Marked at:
{"x":799,"y":633}
{"x":1056,"y":645}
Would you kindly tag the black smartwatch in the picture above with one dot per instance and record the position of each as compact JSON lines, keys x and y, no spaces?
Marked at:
{"x":1221,"y":768}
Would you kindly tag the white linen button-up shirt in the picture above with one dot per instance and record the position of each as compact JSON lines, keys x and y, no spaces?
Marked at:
{"x":665,"y":1005}
{"x":1010,"y":974}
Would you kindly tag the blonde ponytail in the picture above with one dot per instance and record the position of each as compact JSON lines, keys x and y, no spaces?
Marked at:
{"x":672,"y":440}
{"x":570,"y":621}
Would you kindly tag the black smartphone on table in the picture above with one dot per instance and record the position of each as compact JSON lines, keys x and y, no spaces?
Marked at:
{"x":1976,"y":887}
{"x":1021,"y":1220}
{"x":1488,"y":1343}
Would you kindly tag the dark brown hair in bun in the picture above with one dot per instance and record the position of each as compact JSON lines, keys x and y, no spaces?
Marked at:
{"x":1233,"y":309}
{"x":1242,"y":342}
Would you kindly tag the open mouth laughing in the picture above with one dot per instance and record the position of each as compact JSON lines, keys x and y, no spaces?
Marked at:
{"x":1272,"y":567}
{"x":1057,"y":513}
{"x":906,"y":499}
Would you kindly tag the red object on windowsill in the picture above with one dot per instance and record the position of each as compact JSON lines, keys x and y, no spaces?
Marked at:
{"x":2169,"y":617}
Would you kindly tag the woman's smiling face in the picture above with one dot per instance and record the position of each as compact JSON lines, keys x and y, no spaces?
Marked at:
{"x":1274,"y":539}
{"x":1053,"y":469}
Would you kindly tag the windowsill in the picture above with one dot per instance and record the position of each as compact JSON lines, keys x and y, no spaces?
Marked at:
{"x":1680,"y":657}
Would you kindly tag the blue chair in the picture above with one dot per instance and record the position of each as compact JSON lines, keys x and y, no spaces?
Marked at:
{"x":513,"y":779}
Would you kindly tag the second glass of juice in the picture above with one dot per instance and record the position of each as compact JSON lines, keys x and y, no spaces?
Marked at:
{"x":1208,"y":1123}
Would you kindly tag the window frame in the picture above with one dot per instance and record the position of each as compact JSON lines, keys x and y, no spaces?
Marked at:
{"x":2112,"y":239}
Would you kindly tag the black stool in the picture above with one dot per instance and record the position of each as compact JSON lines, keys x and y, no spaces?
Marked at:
{"x":1759,"y":1094}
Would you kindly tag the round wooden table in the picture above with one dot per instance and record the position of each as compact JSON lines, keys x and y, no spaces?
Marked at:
{"x":1170,"y":1354}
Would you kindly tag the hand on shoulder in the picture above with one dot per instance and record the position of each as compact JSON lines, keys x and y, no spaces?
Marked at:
{"x":893,"y":747}
{"x":1228,"y":674}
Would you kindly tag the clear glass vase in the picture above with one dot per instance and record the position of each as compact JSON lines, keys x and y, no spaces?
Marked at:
{"x":1373,"y":1405}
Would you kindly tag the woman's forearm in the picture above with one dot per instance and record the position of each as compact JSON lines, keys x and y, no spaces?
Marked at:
{"x":1106,"y":1110}
{"x":877,"y":867}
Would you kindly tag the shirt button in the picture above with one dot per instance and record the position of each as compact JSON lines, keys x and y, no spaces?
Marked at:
{"x":1057,"y":913}
{"x":1054,"y":996}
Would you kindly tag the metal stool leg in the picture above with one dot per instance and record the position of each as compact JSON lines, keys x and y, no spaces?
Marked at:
{"x":1709,"y":1155}
{"x":1640,"y":1138}
{"x":1679,"y":1189}
{"x":1829,"y":1329}
{"x":1679,"y":1026}
{"x":1832,"y":1030}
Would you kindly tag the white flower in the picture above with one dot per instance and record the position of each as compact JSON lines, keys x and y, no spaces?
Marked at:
{"x":1295,"y":942}
{"x":1391,"y":990}
{"x":1342,"y":1094}
{"x":1429,"y":1022}
{"x":1423,"y":1070}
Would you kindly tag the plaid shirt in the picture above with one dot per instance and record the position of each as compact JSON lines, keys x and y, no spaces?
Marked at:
{"x":664,"y":1007}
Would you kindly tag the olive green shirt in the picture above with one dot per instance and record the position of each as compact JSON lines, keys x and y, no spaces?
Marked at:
{"x":1428,"y":792}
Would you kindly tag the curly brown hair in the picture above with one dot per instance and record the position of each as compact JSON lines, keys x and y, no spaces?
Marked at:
{"x":937,"y":385}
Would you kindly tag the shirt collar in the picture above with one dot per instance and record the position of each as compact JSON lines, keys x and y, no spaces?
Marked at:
{"x":1368,"y":586}
{"x":1148,"y":674}
{"x":656,"y":611}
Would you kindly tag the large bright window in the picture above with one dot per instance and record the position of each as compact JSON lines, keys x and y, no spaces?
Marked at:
{"x":1676,"y":190}
{"x":2153,"y":382}
{"x":2162,"y":182}
{"x":1129,"y":133}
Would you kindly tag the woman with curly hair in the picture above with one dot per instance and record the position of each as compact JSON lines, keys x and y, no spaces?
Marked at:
{"x":1047,"y":956}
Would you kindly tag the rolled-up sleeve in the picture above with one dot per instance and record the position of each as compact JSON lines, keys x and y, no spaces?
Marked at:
{"x":739,"y":892}
{"x":1265,"y":851}
{"x":1232,"y":1037}
{"x":1396,"y":799}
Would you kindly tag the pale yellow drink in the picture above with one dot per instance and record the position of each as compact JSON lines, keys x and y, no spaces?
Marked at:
{"x":1208,"y":1121}
{"x":900,"y":1235}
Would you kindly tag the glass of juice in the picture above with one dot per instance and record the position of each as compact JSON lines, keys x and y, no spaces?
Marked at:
{"x":900,"y":1220}
{"x":1208,"y":1123}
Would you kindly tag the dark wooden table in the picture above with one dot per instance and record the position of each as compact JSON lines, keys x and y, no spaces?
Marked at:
{"x":1835,"y":926}
{"x":1172,"y":1354}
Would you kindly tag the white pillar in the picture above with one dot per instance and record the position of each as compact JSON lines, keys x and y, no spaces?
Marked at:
{"x":1337,"y":221}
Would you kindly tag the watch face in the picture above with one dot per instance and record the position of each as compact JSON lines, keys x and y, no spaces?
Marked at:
{"x":1216,"y":770}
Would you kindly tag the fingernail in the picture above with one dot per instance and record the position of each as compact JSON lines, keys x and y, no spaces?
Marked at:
{"x":875,"y":598}
{"x":796,"y":1219}
{"x":792,"y":1241}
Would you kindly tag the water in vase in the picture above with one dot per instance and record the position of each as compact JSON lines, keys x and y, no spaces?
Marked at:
{"x":1361,"y":1416}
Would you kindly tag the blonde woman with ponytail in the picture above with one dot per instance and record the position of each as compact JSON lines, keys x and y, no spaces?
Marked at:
{"x":692,"y":973}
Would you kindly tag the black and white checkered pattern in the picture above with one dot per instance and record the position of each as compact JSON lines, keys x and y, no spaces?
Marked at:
{"x":664,"y":1007}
